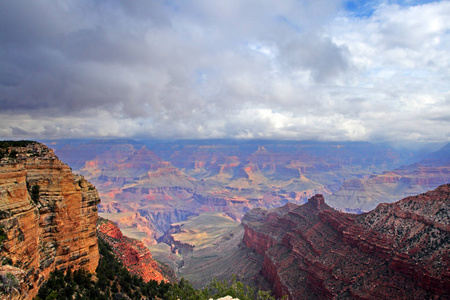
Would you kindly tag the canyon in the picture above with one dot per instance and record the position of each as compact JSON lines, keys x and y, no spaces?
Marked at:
{"x":48,"y":216}
{"x":160,"y":192}
{"x":364,"y":194}
{"x":399,"y":250}
{"x":253,"y":209}
{"x":146,"y":186}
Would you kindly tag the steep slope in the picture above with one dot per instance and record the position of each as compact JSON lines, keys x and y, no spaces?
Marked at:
{"x":48,"y":215}
{"x":364,"y":194}
{"x":131,"y":252}
{"x":399,"y":250}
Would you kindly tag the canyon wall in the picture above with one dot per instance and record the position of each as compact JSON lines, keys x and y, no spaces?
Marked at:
{"x":399,"y":250}
{"x":48,"y":216}
{"x":134,"y":255}
{"x":146,"y":186}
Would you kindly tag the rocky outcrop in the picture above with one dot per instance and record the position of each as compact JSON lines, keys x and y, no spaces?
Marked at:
{"x":399,"y":250}
{"x":134,"y":255}
{"x":48,"y":215}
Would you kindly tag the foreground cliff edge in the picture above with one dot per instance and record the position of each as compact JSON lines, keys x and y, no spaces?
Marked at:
{"x":48,"y":217}
{"x":399,"y":250}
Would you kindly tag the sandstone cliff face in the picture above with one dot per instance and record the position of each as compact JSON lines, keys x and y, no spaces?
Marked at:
{"x":48,"y":215}
{"x":134,"y":254}
{"x":399,"y":250}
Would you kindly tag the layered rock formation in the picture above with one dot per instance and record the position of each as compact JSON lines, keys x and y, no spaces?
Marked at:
{"x":134,"y":255}
{"x":364,"y":194}
{"x":167,"y":181}
{"x":48,"y":215}
{"x":139,"y":191}
{"x":399,"y":250}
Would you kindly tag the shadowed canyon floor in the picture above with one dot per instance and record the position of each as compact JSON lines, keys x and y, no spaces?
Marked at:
{"x":209,"y":246}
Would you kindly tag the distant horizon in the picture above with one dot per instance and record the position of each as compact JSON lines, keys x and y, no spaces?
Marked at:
{"x":417,"y":146}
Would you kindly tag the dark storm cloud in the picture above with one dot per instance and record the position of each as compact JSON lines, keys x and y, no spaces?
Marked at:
{"x":67,"y":57}
{"x":19,"y":131}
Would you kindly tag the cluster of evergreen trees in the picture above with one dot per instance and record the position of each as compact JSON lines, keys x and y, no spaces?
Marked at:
{"x":22,"y":143}
{"x":4,"y":145}
{"x":113,"y":281}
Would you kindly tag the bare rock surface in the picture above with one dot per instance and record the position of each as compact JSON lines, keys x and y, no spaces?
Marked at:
{"x":399,"y":250}
{"x":48,"y":215}
{"x":134,"y":255}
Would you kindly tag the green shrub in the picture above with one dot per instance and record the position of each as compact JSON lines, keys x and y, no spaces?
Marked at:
{"x":13,"y":154}
{"x":114,"y":282}
{"x":22,"y":143}
{"x":7,"y":261}
{"x":3,"y":235}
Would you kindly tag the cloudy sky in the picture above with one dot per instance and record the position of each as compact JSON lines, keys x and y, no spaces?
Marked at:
{"x":289,"y":69}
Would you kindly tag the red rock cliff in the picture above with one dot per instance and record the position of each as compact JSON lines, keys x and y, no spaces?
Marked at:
{"x":48,"y":215}
{"x":399,"y":250}
{"x":134,"y":254}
